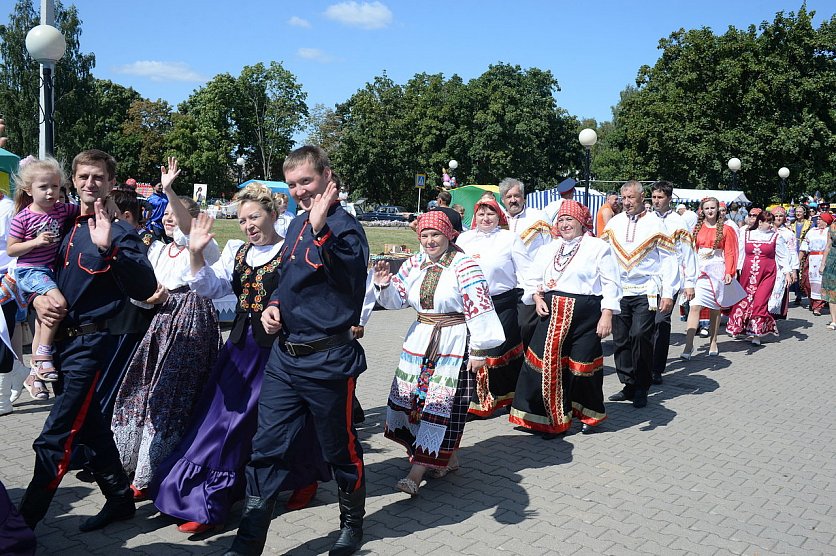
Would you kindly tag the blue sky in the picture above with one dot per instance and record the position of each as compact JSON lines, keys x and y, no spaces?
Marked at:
{"x":166,"y":49}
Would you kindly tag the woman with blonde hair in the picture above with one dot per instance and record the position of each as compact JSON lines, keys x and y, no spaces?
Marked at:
{"x":205,"y":474}
{"x":716,"y":245}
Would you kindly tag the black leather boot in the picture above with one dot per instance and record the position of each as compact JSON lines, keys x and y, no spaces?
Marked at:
{"x":34,"y":505}
{"x":252,"y":532}
{"x":120,"y":503}
{"x":352,"y":510}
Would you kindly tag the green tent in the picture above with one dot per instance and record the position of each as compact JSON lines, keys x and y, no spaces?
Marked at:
{"x":468,"y":195}
{"x":8,"y":166}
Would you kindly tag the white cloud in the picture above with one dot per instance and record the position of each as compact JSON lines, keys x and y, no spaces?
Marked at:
{"x":314,"y":54}
{"x":299,"y":22}
{"x":161,"y":71}
{"x":366,"y":15}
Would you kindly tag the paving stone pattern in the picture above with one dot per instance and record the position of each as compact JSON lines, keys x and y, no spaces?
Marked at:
{"x":733,"y":455}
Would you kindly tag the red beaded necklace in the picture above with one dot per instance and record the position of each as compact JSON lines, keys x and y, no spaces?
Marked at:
{"x":180,"y":249}
{"x":561,"y":266}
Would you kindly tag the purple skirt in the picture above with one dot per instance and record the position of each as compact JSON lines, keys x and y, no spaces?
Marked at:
{"x":205,"y":476}
{"x":16,"y":539}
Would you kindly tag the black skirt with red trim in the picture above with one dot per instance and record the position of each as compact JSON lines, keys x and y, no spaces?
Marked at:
{"x":562,"y":373}
{"x":496,"y":381}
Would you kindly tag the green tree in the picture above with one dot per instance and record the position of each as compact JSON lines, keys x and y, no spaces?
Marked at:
{"x":269,"y":109}
{"x":144,"y":131}
{"x":323,"y":128}
{"x":111,"y":103}
{"x":19,"y":83}
{"x":370,"y":157}
{"x":764,"y":95}
{"x":518,"y":129}
{"x":203,"y":135}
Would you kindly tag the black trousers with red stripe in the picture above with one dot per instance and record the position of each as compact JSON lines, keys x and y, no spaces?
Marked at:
{"x":286,"y":399}
{"x":75,"y":419}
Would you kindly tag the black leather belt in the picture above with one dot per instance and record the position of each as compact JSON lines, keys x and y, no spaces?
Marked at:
{"x":68,"y":332}
{"x":322,"y":344}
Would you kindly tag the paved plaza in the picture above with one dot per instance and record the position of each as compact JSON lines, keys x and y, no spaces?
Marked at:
{"x":733,"y":455}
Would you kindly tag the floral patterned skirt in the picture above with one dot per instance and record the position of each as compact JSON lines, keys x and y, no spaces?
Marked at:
{"x":163,"y":383}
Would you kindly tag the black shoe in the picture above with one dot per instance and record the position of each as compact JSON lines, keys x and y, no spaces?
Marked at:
{"x":352,"y":509}
{"x":252,"y":531}
{"x":587,"y":429}
{"x":85,"y":476}
{"x":349,"y":542}
{"x":656,"y":378}
{"x":120,"y":503}
{"x":640,"y":398}
{"x":113,"y":510}
{"x":622,"y":395}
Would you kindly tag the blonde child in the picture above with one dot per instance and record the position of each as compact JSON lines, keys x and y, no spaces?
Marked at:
{"x":34,"y":238}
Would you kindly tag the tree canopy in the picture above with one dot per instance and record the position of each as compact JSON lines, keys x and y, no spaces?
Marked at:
{"x":764,"y":95}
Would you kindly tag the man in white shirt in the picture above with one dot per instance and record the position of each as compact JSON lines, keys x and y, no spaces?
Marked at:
{"x":649,"y":271}
{"x":689,"y":216}
{"x":534,"y":230}
{"x":679,"y":234}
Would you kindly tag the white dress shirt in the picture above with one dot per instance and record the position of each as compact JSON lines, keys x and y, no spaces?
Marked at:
{"x":532,"y":227}
{"x":677,"y":230}
{"x":500,"y":254}
{"x":645,"y":255}
{"x":592,"y":270}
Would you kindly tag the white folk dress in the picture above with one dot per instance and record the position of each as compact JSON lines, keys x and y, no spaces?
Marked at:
{"x":429,"y":398}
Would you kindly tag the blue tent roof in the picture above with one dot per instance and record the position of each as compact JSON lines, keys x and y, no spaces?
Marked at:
{"x":276,"y":187}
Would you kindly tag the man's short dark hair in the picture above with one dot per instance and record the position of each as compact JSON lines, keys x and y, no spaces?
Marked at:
{"x":445,"y":197}
{"x":94,"y":156}
{"x":309,"y":153}
{"x":665,"y":187}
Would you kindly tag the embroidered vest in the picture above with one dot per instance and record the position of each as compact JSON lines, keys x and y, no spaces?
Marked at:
{"x":253,"y":288}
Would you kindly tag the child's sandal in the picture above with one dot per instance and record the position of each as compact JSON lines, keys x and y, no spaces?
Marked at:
{"x":48,"y":374}
{"x":37,"y":389}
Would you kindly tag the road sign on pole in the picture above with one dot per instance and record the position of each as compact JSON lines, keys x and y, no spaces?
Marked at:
{"x":420,"y":181}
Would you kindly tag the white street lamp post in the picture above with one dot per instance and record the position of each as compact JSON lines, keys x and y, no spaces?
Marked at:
{"x":734,"y":166}
{"x":240,"y":162}
{"x":46,"y":45}
{"x":587,"y":137}
{"x":783,"y":173}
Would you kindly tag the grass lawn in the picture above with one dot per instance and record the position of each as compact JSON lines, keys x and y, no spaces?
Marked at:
{"x":377,"y":236}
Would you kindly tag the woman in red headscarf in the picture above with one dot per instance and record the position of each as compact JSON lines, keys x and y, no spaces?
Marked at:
{"x":576,"y":286}
{"x":504,"y":260}
{"x":456,"y":326}
{"x":763,"y":257}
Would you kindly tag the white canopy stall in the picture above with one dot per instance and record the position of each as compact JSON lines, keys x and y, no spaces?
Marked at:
{"x":722,"y":195}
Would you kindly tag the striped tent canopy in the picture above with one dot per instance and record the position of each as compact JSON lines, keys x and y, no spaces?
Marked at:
{"x":539,"y":199}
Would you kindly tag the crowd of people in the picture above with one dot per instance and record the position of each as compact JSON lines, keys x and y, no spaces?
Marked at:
{"x":150,"y":404}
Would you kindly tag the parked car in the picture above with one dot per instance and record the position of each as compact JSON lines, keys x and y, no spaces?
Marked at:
{"x":386,"y":212}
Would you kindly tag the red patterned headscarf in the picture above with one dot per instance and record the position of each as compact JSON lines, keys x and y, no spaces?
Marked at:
{"x":778,"y":209}
{"x":437,"y":220}
{"x":755,"y":212}
{"x":577,"y":211}
{"x":494,"y":206}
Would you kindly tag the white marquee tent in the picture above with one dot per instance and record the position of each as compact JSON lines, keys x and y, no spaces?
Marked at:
{"x":724,"y":196}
